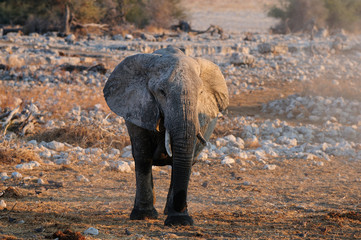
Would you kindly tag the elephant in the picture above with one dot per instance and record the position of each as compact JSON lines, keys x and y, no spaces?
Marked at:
{"x":170,"y":103}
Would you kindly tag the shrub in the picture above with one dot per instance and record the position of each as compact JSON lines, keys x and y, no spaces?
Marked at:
{"x":49,"y":15}
{"x":299,"y":15}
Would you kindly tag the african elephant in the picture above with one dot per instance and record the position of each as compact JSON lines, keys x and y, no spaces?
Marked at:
{"x":170,"y":104}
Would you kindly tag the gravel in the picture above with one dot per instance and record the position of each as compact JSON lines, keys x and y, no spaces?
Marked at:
{"x":313,"y":128}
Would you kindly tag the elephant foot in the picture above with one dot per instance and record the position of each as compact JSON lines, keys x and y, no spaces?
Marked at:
{"x":143,"y":214}
{"x":179,"y":220}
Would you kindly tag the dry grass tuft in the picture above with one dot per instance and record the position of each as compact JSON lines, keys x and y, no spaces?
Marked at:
{"x":7,"y":237}
{"x":58,"y":101}
{"x":13,"y":192}
{"x":10,"y":155}
{"x":84,"y":136}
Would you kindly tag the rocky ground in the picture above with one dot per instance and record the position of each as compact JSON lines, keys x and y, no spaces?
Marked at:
{"x":284,"y":162}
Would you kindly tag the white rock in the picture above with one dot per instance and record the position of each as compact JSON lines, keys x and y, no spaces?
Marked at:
{"x":251,"y":142}
{"x":15,"y":60}
{"x":318,"y":163}
{"x":62,"y":161}
{"x":122,"y":167}
{"x":16,"y":175}
{"x":115,"y":151}
{"x":33,"y":142}
{"x":4,"y":178}
{"x":93,"y":151}
{"x":270,"y":167}
{"x":104,"y":163}
{"x":41,"y":181}
{"x":91,"y":231}
{"x":203,"y":156}
{"x":128,"y":37}
{"x":241,"y":154}
{"x":54,"y":145}
{"x":70,"y":38}
{"x":2,"y":204}
{"x":239,"y":59}
{"x":28,"y":165}
{"x":220,"y":142}
{"x":246,"y":183}
{"x":260,"y":154}
{"x":227,"y":160}
{"x":81,"y":178}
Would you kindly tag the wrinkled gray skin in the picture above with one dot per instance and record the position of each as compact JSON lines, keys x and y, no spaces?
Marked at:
{"x":159,"y":92}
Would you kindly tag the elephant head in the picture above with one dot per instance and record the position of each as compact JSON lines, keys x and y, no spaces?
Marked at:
{"x":169,"y":90}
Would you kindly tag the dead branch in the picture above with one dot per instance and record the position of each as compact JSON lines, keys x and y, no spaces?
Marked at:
{"x":104,"y":27}
{"x":19,"y":121}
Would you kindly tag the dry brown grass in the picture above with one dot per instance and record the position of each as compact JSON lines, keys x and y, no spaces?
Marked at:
{"x":83,"y":135}
{"x":15,"y":155}
{"x":58,"y":100}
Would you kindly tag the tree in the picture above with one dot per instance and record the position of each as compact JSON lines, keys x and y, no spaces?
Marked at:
{"x":298,"y":14}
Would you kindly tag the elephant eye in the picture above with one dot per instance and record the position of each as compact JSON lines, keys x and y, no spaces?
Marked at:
{"x":162,"y":92}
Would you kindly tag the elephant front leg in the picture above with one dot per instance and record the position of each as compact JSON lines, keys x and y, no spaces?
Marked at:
{"x":176,"y":207}
{"x":144,"y":197}
{"x":142,"y":153}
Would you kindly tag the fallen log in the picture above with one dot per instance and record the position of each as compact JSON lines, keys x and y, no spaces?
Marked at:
{"x":20,"y":120}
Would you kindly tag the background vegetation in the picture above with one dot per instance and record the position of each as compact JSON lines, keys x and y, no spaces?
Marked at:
{"x":298,"y":15}
{"x":48,"y":15}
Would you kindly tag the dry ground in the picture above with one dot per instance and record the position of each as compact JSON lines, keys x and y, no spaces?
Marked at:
{"x":298,"y":200}
{"x":231,"y":15}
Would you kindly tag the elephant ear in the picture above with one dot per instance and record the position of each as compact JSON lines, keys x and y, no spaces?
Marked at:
{"x":127,"y":94}
{"x":214,"y":97}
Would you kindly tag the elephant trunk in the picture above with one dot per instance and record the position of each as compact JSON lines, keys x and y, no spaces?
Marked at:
{"x":183,"y":145}
{"x":183,"y":136}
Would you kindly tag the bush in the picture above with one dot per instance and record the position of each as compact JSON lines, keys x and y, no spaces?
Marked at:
{"x":300,"y":15}
{"x":49,"y":15}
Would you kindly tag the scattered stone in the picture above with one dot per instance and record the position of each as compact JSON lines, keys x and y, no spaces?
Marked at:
{"x":54,"y":145}
{"x":81,"y":178}
{"x":62,"y":161}
{"x":251,"y":142}
{"x":29,"y":165}
{"x":70,"y":38}
{"x":270,"y":167}
{"x":122,"y":167}
{"x":148,"y":37}
{"x":2,"y":204}
{"x":4,"y":176}
{"x":128,"y":37}
{"x":241,"y":59}
{"x":91,"y":231}
{"x":45,"y":154}
{"x":16,"y":175}
{"x":40,"y":181}
{"x":227,"y":161}
{"x":246,"y":183}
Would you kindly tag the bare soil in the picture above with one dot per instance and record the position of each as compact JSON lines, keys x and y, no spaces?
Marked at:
{"x":298,"y":200}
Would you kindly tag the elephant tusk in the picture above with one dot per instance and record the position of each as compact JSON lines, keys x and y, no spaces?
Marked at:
{"x":167,"y":143}
{"x":201,"y":138}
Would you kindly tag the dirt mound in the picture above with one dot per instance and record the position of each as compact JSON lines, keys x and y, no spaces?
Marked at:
{"x":68,"y":235}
